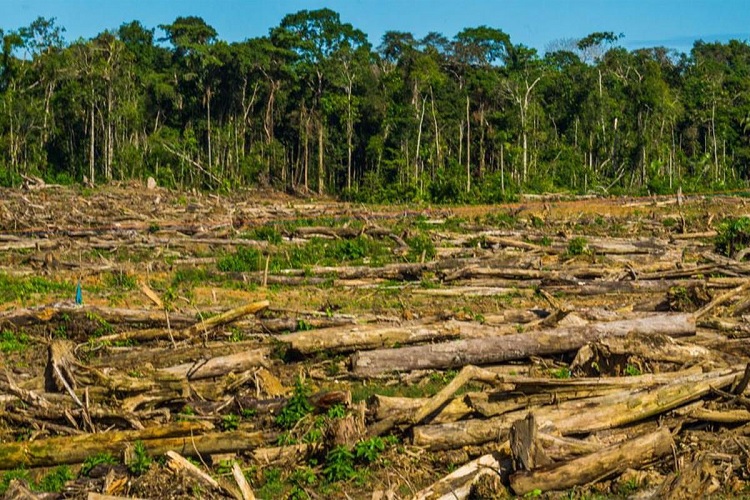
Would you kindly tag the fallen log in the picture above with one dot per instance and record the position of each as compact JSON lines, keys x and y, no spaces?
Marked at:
{"x":512,"y":347}
{"x":579,"y":416}
{"x":219,"y":366}
{"x":610,"y":461}
{"x":75,"y":449}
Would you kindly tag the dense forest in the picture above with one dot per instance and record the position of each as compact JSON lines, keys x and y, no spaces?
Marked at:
{"x":313,"y":107}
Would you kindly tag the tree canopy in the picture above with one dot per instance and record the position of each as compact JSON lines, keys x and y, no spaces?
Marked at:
{"x":313,"y":107}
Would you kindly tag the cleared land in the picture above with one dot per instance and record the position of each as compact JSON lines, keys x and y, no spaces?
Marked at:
{"x":259,"y":345}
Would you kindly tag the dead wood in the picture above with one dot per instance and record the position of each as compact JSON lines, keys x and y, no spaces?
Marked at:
{"x":610,"y":461}
{"x":579,"y":416}
{"x":511,"y":347}
{"x":75,"y":449}
{"x":525,"y":446}
{"x":239,"y":478}
{"x":219,"y":366}
{"x":457,"y":485}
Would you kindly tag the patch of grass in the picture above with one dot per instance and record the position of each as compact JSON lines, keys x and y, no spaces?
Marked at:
{"x":13,"y":342}
{"x":265,"y":233}
{"x":8,"y":476}
{"x":55,"y":480}
{"x":244,"y":259}
{"x":22,"y":288}
{"x":561,"y":373}
{"x":120,"y":281}
{"x":632,"y":371}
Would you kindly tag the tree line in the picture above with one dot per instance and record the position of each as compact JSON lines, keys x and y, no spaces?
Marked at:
{"x":313,"y":107}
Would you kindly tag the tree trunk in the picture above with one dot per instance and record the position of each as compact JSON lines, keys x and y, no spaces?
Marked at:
{"x":510,"y":347}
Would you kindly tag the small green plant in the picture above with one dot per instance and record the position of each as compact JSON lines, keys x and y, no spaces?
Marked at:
{"x":297,"y":407}
{"x":561,"y":373}
{"x":336,"y":411}
{"x":140,"y":461}
{"x":632,"y":371}
{"x":266,"y":233}
{"x":98,"y":459}
{"x":369,"y":449}
{"x":248,"y":413}
{"x":578,"y":246}
{"x":302,"y":478}
{"x":230,"y":422}
{"x":304,"y":326}
{"x":272,"y":485}
{"x":55,"y":480}
{"x":339,"y":464}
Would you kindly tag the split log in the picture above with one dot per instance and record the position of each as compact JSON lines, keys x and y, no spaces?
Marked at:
{"x":512,"y":347}
{"x":525,"y":445}
{"x":457,"y":485}
{"x":177,"y":463}
{"x":580,"y":416}
{"x":610,"y":461}
{"x":239,"y":478}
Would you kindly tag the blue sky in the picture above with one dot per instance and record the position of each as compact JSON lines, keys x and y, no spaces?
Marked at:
{"x":673,"y":23}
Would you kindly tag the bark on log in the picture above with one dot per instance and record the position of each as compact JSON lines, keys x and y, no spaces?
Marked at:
{"x":512,"y":347}
{"x":75,"y":449}
{"x":219,"y":366}
{"x":610,"y":461}
{"x":580,"y":416}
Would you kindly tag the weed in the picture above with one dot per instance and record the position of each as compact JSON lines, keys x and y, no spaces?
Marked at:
{"x":55,"y":480}
{"x":248,"y":413}
{"x":301,"y":478}
{"x":578,"y":246}
{"x":297,"y":407}
{"x":632,"y":371}
{"x":98,"y":459}
{"x":336,"y":411}
{"x":304,"y":326}
{"x":419,"y":246}
{"x":230,"y":422}
{"x":561,"y":373}
{"x":368,"y":450}
{"x":339,"y":464}
{"x":272,"y":485}
{"x":140,"y":461}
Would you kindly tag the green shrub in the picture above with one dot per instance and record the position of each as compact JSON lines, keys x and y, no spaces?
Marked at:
{"x":578,"y":246}
{"x":141,"y":461}
{"x":98,"y":459}
{"x":733,"y":235}
{"x":339,"y":464}
{"x":297,"y":407}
